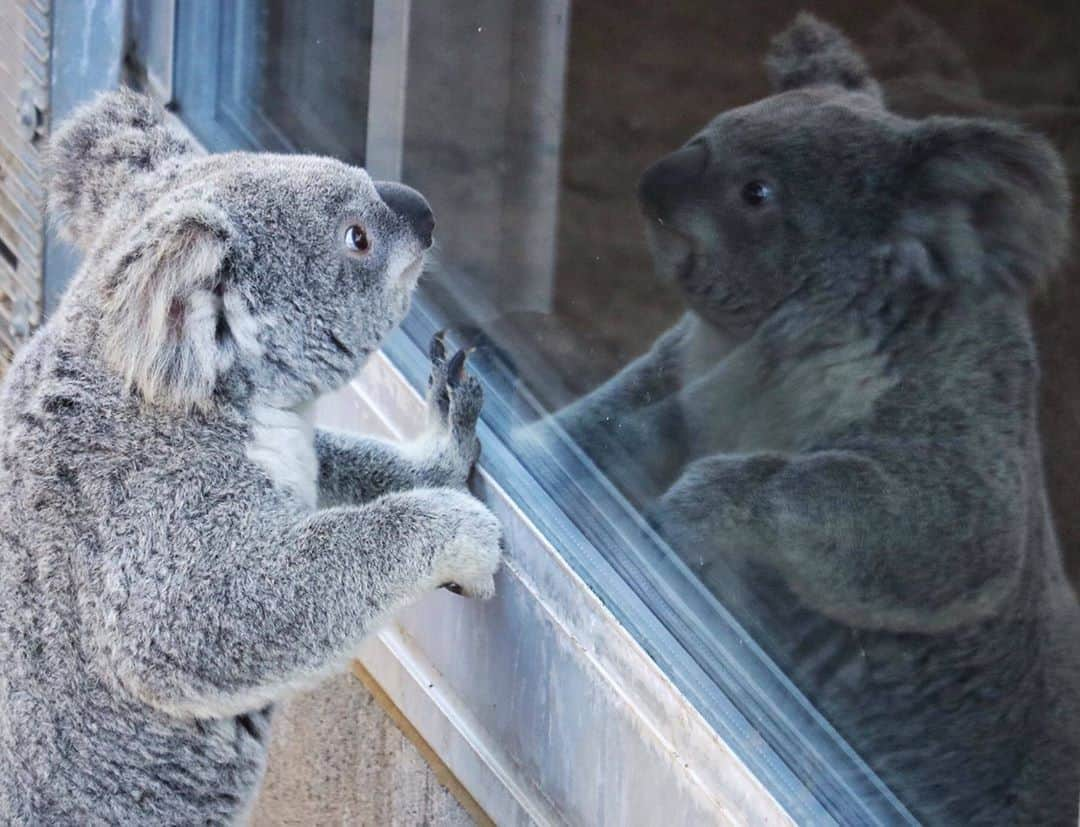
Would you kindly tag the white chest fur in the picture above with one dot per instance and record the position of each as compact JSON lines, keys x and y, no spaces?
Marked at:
{"x":706,"y":347}
{"x":283,"y":445}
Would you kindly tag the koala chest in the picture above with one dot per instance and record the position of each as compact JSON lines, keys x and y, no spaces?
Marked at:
{"x":751,"y":401}
{"x":282,"y":444}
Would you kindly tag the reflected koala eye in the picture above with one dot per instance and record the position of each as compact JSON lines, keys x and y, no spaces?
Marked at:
{"x":356,"y":239}
{"x":756,"y":193}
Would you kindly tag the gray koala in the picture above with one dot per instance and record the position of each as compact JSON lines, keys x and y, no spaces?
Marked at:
{"x":840,"y":437}
{"x":179,"y":546}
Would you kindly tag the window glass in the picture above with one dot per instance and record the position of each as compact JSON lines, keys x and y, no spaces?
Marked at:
{"x":274,"y":75}
{"x":785,"y":326}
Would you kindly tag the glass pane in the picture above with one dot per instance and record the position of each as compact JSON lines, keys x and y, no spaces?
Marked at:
{"x":269,"y":74}
{"x":151,"y":37}
{"x":762,"y":320}
{"x":864,"y":502}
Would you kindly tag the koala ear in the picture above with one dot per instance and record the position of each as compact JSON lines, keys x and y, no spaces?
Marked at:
{"x":810,"y":52}
{"x":989,"y":201}
{"x":98,"y":152}
{"x":167,"y":306}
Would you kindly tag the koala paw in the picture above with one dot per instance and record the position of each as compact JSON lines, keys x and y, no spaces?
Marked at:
{"x":454,"y":401}
{"x":466,"y":564}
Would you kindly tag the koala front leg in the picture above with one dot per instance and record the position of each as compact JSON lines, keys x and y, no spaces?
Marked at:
{"x":355,"y":469}
{"x":631,"y":426}
{"x":219,"y":634}
{"x":905,"y":536}
{"x":647,"y":380}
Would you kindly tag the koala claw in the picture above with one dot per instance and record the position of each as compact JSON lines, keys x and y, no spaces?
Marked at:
{"x":454,"y":400}
{"x":454,"y":395}
{"x":467,"y":562}
{"x":455,"y":371}
{"x":480,"y":590}
{"x":437,"y":348}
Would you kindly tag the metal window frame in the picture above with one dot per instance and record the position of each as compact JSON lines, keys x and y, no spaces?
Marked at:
{"x":24,"y":108}
{"x":389,"y":75}
{"x":651,"y":737}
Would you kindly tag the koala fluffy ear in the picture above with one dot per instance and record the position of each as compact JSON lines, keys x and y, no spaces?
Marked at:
{"x":167,"y":305}
{"x":989,"y":201}
{"x":98,"y":152}
{"x":810,"y":52}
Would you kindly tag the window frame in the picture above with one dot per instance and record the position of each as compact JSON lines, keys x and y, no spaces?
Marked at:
{"x":652,"y":703}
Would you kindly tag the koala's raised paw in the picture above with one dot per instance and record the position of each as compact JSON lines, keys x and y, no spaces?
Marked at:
{"x":454,"y":401}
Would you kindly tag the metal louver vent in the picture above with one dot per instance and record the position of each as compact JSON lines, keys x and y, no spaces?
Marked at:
{"x":24,"y":91}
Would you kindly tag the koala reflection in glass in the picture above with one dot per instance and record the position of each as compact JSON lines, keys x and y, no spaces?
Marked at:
{"x":839,"y":436}
{"x":180,"y":547}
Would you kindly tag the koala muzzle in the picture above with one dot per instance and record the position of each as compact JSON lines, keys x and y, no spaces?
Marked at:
{"x":665,"y":184}
{"x":410,"y":205}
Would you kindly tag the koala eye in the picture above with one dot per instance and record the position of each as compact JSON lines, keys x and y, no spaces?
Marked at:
{"x":356,"y":239}
{"x":756,"y":193}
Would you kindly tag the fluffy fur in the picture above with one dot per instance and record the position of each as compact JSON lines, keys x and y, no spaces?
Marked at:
{"x":840,"y":436}
{"x":179,"y":546}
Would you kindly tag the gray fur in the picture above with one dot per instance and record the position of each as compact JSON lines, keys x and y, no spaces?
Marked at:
{"x":812,"y":53}
{"x":840,"y":436}
{"x":166,"y":575}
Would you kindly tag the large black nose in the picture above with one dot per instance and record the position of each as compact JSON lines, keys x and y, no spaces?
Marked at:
{"x":411,"y":206}
{"x":667,"y":183}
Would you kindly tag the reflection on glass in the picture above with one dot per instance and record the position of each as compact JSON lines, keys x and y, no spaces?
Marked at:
{"x":840,"y":436}
{"x":838,"y":431}
{"x":771,"y":327}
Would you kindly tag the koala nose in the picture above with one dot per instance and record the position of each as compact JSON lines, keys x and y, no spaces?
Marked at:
{"x":667,"y":182}
{"x":410,"y":205}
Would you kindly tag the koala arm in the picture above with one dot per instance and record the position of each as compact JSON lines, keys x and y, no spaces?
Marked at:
{"x":873,"y":537}
{"x":632,"y":425}
{"x":215,"y":633}
{"x":354,"y":470}
{"x":647,"y":380}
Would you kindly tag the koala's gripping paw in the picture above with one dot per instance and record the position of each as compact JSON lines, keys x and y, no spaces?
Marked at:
{"x":454,"y":401}
{"x":467,"y":561}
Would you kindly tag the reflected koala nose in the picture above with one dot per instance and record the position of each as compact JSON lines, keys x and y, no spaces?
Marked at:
{"x":410,"y":205}
{"x":664,"y":184}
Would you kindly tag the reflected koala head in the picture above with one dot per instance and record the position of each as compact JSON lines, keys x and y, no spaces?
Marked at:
{"x":820,"y":187}
{"x":268,"y":277}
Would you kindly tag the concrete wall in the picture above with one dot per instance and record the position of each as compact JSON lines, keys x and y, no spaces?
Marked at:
{"x":336,"y":757}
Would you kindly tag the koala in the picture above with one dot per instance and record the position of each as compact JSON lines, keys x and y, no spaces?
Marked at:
{"x":180,"y":547}
{"x":839,"y":437}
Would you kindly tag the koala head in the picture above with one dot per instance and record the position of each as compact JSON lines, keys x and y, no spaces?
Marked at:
{"x":264,"y":277}
{"x":819,"y":187}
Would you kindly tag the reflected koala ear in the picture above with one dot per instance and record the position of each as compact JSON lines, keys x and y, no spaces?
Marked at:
{"x":810,"y":52}
{"x":989,"y":202}
{"x":171,"y":320}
